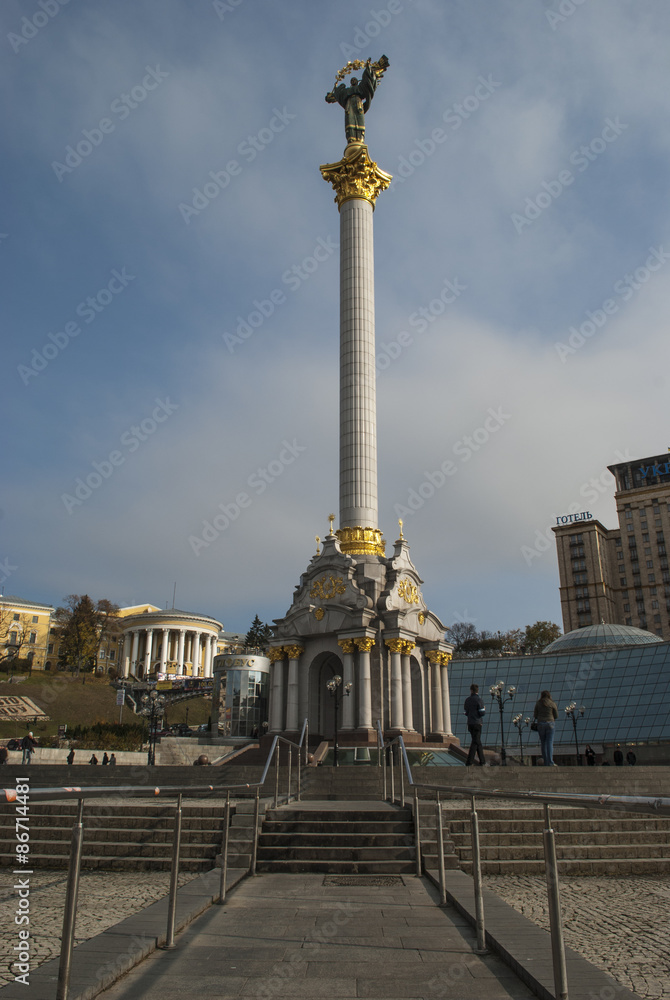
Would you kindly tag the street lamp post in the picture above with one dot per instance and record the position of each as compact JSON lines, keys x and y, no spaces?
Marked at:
{"x":520,"y":722}
{"x":334,"y":686}
{"x":498,"y":693}
{"x":571,"y":711}
{"x":153,"y":705}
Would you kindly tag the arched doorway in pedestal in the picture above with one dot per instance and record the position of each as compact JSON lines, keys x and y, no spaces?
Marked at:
{"x":321,"y":707}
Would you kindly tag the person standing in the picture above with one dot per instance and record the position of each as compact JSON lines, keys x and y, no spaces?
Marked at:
{"x":631,"y":758}
{"x":4,"y":755}
{"x":590,"y":755}
{"x":28,"y":744}
{"x":105,"y":758}
{"x":70,"y":758}
{"x":618,"y":756}
{"x":112,"y":759}
{"x":474,"y":709}
{"x":546,"y":713}
{"x":93,"y":760}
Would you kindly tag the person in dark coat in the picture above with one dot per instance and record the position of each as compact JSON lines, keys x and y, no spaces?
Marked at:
{"x":618,"y":757}
{"x":4,"y":755}
{"x":105,"y":758}
{"x":546,"y":713}
{"x":474,"y":709}
{"x":112,"y":759}
{"x":590,"y":755}
{"x":28,"y":744}
{"x":631,"y":758}
{"x":70,"y":758}
{"x":93,"y":760}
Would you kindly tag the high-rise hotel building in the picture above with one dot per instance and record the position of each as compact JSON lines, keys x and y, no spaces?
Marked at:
{"x":620,"y":575}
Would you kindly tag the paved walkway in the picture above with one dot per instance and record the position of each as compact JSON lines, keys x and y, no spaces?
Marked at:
{"x":302,"y":936}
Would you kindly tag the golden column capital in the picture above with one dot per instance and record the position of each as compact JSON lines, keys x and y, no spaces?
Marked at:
{"x":347,"y":645}
{"x":356,"y":176}
{"x":294,"y":652}
{"x":395,"y":645}
{"x":276,"y":653}
{"x":434,"y":656}
{"x":364,"y":645}
{"x":408,"y":646}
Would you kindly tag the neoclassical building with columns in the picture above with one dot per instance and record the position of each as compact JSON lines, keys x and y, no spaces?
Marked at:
{"x":173,"y":643}
{"x":361,"y":616}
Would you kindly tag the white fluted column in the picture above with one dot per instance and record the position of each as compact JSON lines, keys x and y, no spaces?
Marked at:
{"x":125,"y":663}
{"x":408,"y":714}
{"x":195,"y":653}
{"x":397,"y":716}
{"x":446,"y":708}
{"x":207,"y":657}
{"x":292,"y":693}
{"x":164,"y":649}
{"x":276,"y":712}
{"x":364,"y":683}
{"x":348,"y":702}
{"x":180,"y":652}
{"x":147,"y":651}
{"x":135,"y":650}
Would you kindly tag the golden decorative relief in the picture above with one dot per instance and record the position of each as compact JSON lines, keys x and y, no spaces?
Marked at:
{"x":356,"y":176}
{"x":408,"y":591}
{"x":364,"y":645}
{"x":294,"y":652}
{"x":422,"y":618}
{"x":319,"y":613}
{"x":359,"y":541}
{"x":276,"y":653}
{"x":327,"y":587}
{"x":347,"y":645}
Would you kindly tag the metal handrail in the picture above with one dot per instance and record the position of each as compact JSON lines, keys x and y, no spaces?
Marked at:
{"x":658,"y":805}
{"x":123,"y":792}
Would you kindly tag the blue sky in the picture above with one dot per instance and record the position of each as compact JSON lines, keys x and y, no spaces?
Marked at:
{"x":530,"y":146}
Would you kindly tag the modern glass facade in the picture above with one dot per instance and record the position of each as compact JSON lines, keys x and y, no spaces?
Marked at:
{"x":625,"y":692}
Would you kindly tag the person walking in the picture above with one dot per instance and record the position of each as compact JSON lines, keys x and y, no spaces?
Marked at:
{"x":105,"y":758}
{"x":93,"y":760}
{"x":546,"y":713}
{"x":4,"y":755}
{"x":28,"y":744}
{"x":70,"y":758}
{"x":590,"y":755}
{"x":474,"y":709}
{"x":112,"y":759}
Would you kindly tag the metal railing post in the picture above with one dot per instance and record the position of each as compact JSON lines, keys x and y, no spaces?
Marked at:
{"x":401,"y":764}
{"x":481,"y":948}
{"x":383,"y":755}
{"x":417,"y":830}
{"x":306,"y":743}
{"x":440,"y":852}
{"x":70,"y":912}
{"x":299,"y":788}
{"x":224,"y":851}
{"x":277,"y":775}
{"x":290,"y":757}
{"x":392,"y":764}
{"x":555,"y":923}
{"x":174,"y":875}
{"x":254,"y":842}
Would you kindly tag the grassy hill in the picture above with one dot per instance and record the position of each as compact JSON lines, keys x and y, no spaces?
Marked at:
{"x":83,"y":701}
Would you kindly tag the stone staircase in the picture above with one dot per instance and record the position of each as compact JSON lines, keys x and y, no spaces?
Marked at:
{"x":588,"y":841}
{"x":342,"y":838}
{"x":129,"y":837}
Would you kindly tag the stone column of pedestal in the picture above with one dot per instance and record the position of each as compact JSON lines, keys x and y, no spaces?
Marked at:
{"x":397,"y":715}
{"x":276,"y":707}
{"x":446,"y":709}
{"x":303,"y":692}
{"x":180,"y":652}
{"x":408,"y":714}
{"x":164,"y":649}
{"x":292,"y":694}
{"x":348,"y":703}
{"x":364,"y":646}
{"x":437,"y":721}
{"x":135,"y":649}
{"x":147,"y":651}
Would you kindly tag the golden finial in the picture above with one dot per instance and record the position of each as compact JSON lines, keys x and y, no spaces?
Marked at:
{"x":317,"y":539}
{"x":400,"y":523}
{"x":331,"y":518}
